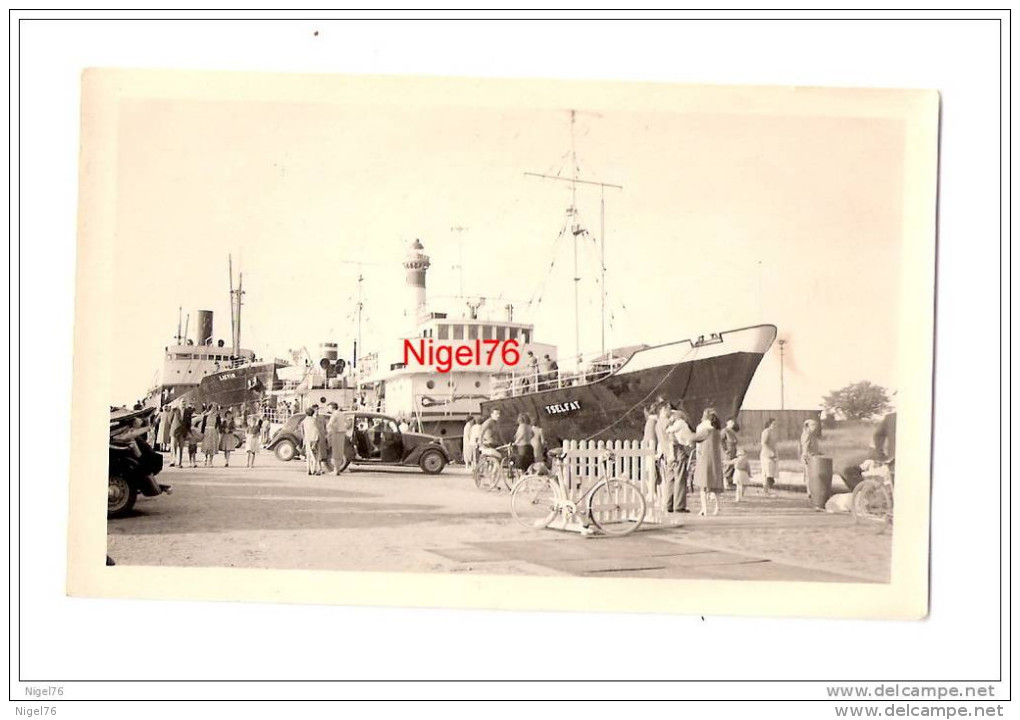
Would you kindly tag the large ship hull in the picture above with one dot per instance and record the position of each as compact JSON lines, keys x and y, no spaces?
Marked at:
{"x":247,"y":386}
{"x":692,"y":374}
{"x":167,"y":394}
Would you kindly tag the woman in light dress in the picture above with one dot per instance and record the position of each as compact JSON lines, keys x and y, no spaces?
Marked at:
{"x":466,"y":449}
{"x":708,"y":470}
{"x":253,"y":438}
{"x":313,"y":439}
{"x":210,"y":429}
{"x":809,"y":447}
{"x":164,"y":429}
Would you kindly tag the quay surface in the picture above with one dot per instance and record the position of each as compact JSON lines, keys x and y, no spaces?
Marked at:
{"x":277,"y":516}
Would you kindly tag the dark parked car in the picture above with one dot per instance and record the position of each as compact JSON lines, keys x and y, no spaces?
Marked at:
{"x":378,"y":440}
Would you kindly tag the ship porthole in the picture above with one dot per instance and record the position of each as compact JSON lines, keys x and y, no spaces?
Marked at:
{"x":478,"y":383}
{"x":430,"y":384}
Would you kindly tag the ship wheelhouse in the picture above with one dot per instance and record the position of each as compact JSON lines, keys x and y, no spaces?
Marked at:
{"x":188,"y":364}
{"x":442,"y":400}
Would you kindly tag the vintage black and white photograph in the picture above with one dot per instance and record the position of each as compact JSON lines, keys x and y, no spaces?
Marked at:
{"x":509,"y":329}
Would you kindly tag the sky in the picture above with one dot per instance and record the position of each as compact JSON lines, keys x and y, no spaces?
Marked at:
{"x":725,"y":219}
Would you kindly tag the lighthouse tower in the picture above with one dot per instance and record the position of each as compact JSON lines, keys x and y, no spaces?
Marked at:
{"x":416,"y":263}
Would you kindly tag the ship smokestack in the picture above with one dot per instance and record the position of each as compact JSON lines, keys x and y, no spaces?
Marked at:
{"x":329,"y":351}
{"x":204,"y":327}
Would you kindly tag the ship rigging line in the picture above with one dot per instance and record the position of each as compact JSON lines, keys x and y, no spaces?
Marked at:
{"x":651,"y":392}
{"x":540,"y":292}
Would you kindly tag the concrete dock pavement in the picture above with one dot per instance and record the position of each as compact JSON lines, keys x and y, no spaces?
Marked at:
{"x":400,"y":520}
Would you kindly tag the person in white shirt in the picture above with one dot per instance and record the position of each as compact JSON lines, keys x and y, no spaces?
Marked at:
{"x":683,"y":437}
{"x":474,"y":440}
{"x":313,"y":438}
{"x":466,"y":444}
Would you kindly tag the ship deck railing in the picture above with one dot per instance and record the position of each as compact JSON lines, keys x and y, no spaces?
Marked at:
{"x":240,"y":362}
{"x":526,"y":383}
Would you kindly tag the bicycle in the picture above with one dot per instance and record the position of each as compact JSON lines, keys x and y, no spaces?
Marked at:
{"x":872,"y":500}
{"x":495,"y":470}
{"x":616,"y":507}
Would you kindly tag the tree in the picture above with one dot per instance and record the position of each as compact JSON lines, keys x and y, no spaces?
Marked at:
{"x":858,"y":401}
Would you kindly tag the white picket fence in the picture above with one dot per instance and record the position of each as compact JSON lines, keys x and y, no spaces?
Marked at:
{"x":632,"y":461}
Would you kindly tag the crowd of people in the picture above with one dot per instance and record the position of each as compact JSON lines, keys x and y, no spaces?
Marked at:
{"x":482,"y":438}
{"x":327,"y":439}
{"x":709,"y":457}
{"x":183,"y":430}
{"x":687,"y":456}
{"x":705,"y":457}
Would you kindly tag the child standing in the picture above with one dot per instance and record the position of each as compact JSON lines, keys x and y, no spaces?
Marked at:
{"x":194,"y":438}
{"x":741,"y":472}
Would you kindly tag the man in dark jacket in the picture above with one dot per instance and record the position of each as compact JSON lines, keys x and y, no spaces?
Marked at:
{"x":729,"y":448}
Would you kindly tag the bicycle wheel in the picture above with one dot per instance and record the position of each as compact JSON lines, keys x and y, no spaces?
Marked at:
{"x":533,"y":501}
{"x":871,"y":504}
{"x":486,"y":473}
{"x":510,"y":474}
{"x":617,"y":507}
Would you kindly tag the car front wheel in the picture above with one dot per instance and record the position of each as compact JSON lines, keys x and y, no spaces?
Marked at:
{"x":285,"y":451}
{"x":121,"y":497}
{"x":432,"y":462}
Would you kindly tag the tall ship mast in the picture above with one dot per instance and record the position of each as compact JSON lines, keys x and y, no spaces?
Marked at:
{"x":605,"y":398}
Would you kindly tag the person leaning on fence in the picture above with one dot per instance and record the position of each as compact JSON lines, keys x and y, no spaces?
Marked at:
{"x":769,"y":456}
{"x":649,"y":441}
{"x":665,"y":455}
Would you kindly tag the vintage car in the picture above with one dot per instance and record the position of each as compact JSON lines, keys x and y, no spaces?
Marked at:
{"x":377,"y":440}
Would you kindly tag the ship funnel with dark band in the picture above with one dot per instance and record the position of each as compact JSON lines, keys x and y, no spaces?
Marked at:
{"x":204,"y":328}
